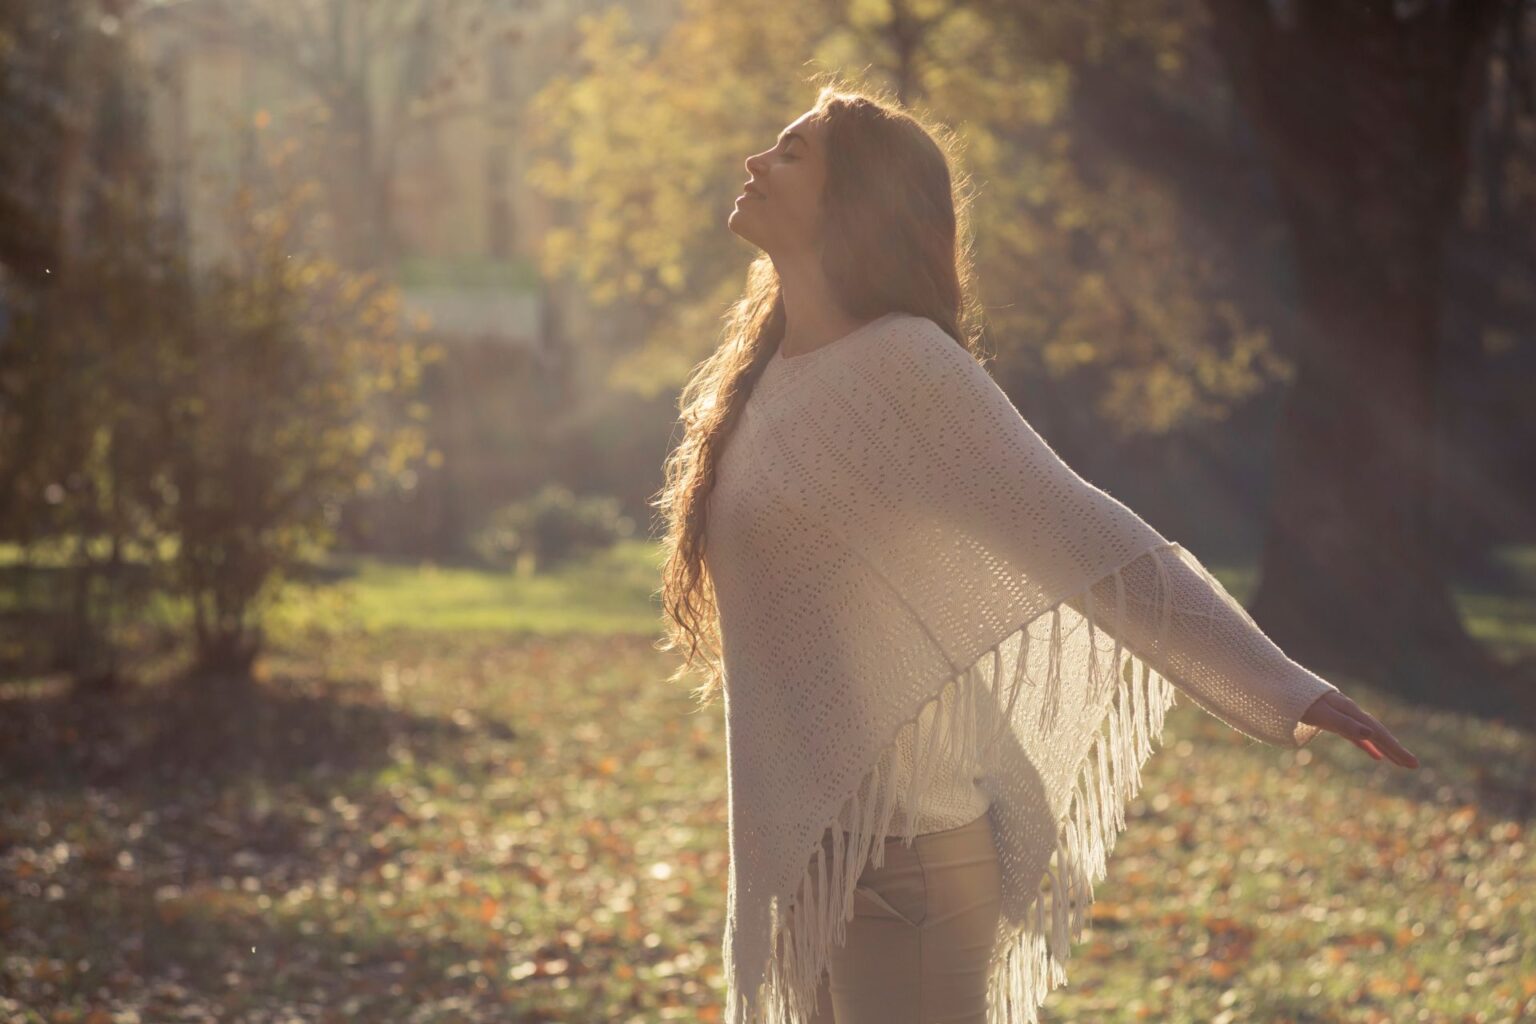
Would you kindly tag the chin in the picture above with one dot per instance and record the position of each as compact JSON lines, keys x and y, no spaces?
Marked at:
{"x":734,"y":223}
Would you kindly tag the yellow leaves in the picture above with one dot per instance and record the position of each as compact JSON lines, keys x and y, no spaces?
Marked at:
{"x":353,"y":288}
{"x":1042,"y":97}
{"x":1099,"y":273}
{"x":362,"y":435}
{"x":671,"y":275}
{"x":559,"y":250}
{"x":869,"y":14}
{"x":311,"y":274}
{"x":651,"y":141}
{"x":1066,"y":354}
{"x":1154,"y":398}
{"x":1070,"y":217}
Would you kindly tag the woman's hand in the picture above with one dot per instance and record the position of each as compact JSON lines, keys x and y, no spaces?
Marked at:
{"x":1337,"y":713}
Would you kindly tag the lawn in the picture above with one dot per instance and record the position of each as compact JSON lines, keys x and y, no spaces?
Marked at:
{"x":456,"y":796}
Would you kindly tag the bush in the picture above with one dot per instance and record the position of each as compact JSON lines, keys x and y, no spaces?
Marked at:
{"x":551,"y":527}
{"x":193,"y":431}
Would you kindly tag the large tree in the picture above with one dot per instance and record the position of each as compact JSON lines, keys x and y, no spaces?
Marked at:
{"x":1364,"y":112}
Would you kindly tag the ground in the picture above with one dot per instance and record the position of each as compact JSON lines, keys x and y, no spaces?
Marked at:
{"x":453,"y":796}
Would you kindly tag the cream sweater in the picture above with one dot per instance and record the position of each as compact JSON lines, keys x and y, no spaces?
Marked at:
{"x":923,"y":608}
{"x":1213,"y":652}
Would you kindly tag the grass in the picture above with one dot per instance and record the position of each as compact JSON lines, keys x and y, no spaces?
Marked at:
{"x":447,"y":801}
{"x":609,"y":593}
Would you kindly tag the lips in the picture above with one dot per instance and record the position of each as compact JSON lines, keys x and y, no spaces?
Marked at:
{"x":751,"y":192}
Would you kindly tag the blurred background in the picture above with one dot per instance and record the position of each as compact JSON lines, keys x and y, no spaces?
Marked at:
{"x":340,"y":345}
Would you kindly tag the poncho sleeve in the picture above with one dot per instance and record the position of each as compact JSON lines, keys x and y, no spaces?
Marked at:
{"x":977,"y":470}
{"x":1211,"y":650}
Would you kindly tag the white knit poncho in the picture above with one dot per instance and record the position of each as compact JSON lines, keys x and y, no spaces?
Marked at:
{"x":885,"y":529}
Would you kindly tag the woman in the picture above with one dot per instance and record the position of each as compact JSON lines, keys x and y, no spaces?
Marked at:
{"x":924,"y":619}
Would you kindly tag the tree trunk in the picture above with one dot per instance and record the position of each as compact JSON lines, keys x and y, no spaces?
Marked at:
{"x":1364,"y":119}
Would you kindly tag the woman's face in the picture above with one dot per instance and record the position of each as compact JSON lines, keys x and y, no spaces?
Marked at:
{"x":780,"y":211}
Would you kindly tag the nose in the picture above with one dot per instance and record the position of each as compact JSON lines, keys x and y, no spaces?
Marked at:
{"x":752,"y":165}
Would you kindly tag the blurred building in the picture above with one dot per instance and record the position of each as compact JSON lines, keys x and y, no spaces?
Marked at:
{"x":440,"y":189}
{"x":463,"y":227}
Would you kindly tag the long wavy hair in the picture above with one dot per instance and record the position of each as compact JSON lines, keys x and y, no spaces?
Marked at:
{"x":894,"y":237}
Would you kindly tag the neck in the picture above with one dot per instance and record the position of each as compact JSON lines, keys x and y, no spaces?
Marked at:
{"x":812,"y":315}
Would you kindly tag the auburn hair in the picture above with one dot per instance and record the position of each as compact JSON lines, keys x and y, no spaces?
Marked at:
{"x":894,"y":237}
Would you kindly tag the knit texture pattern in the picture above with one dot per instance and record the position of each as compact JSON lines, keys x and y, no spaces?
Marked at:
{"x":913,"y":587}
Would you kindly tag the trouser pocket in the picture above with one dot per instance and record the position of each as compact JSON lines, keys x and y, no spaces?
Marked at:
{"x":868,"y":903}
{"x":898,"y":890}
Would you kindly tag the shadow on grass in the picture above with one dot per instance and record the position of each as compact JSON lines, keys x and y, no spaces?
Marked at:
{"x":230,"y":961}
{"x":213,"y":730}
{"x":212,"y":848}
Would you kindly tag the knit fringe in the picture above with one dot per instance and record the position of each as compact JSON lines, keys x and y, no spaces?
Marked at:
{"x":1029,"y":959}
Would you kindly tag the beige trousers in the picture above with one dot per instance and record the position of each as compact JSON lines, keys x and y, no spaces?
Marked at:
{"x":921,"y":934}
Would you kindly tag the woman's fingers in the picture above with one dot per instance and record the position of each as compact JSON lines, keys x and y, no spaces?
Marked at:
{"x":1338,"y":713}
{"x":1384,"y":740}
{"x":1380,"y":738}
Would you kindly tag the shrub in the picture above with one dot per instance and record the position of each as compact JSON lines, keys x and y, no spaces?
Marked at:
{"x":552,"y":526}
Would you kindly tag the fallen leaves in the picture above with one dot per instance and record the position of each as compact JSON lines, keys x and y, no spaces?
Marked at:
{"x":493,"y":843}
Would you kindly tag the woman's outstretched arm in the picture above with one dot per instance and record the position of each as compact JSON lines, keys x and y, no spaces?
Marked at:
{"x":1214,"y":652}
